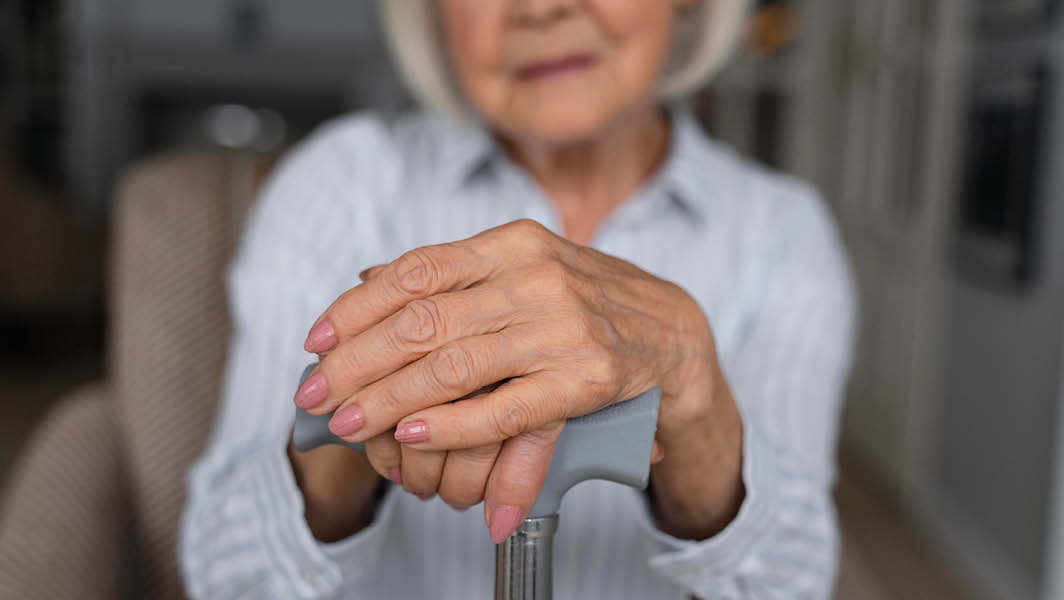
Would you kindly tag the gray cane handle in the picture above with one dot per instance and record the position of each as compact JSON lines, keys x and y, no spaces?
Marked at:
{"x":612,"y":444}
{"x":312,"y":431}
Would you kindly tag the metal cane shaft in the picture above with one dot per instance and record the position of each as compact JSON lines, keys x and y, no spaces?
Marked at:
{"x":523,"y":561}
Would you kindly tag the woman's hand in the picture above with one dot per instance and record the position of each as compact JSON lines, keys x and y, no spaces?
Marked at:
{"x":338,"y":487}
{"x":566,"y":329}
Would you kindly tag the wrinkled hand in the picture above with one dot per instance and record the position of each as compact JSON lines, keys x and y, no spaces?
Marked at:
{"x":423,"y":344}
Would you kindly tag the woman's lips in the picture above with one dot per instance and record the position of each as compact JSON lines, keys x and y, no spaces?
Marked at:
{"x":549,"y":68}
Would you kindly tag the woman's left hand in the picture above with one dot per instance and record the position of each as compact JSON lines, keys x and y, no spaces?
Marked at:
{"x":566,"y":329}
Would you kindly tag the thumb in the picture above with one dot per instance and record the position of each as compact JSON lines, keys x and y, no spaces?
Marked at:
{"x":517,"y":478}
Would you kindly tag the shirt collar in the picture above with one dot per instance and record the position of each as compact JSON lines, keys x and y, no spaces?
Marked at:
{"x":468,"y":148}
{"x":688,"y":175}
{"x":692,"y":173}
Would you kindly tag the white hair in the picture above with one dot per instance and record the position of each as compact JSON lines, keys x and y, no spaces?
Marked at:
{"x":705,"y":36}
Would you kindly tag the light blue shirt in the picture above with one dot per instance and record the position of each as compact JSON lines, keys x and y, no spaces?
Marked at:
{"x":759,"y":252}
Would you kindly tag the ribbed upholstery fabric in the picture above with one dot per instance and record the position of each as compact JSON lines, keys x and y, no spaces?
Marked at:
{"x":176,"y":227}
{"x":64,"y":513}
{"x":104,"y":462}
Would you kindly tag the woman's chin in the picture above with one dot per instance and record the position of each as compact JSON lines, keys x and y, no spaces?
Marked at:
{"x":566,"y":125}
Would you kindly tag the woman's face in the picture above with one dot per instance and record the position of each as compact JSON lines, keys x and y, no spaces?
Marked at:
{"x":557,"y":71}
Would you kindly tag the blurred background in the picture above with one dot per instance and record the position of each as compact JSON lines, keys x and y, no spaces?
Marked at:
{"x":931,"y":127}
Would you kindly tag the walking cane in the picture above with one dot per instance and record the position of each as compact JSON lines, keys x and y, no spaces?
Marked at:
{"x":612,"y":444}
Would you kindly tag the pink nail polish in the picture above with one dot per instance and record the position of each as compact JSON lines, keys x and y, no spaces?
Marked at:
{"x":504,"y":521}
{"x":313,"y":391}
{"x":426,"y":497}
{"x":395,"y":475}
{"x":346,"y":421}
{"x":322,"y":337}
{"x":412,"y":433}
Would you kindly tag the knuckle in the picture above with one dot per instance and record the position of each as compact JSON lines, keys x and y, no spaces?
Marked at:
{"x":416,"y":272}
{"x":528,"y":227}
{"x":552,"y":278}
{"x":544,"y":436}
{"x":340,"y":364}
{"x":511,"y":418}
{"x":383,"y":454}
{"x":603,"y":367}
{"x":421,"y":475}
{"x":482,"y":455}
{"x":382,"y":462}
{"x":461,"y":496}
{"x":466,"y":478}
{"x":420,"y":322}
{"x":530,"y":233}
{"x":382,"y":403}
{"x":453,"y":368}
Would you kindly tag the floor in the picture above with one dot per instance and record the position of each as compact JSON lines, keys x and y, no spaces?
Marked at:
{"x":884,"y":556}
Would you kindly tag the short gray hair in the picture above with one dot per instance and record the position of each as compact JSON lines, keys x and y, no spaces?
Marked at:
{"x":705,"y":37}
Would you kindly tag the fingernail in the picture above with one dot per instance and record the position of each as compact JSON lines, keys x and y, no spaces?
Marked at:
{"x":312,"y":392}
{"x":346,"y":421}
{"x":395,"y":475}
{"x":504,"y":521}
{"x":322,"y":337}
{"x":412,"y":433}
{"x":426,"y":497}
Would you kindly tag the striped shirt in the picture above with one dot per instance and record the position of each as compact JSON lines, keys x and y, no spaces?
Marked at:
{"x":757,"y":250}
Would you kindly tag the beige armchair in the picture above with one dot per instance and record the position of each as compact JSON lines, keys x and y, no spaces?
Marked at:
{"x":92,"y":507}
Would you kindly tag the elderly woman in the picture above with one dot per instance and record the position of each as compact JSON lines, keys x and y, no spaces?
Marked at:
{"x":567,"y":238}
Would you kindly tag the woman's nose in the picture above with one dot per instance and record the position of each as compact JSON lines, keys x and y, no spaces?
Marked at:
{"x":539,"y":13}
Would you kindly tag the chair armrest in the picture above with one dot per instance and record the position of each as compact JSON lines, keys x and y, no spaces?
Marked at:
{"x":64,"y":515}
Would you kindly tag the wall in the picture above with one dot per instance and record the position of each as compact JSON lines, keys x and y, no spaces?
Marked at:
{"x":998,"y":426}
{"x":209,"y":21}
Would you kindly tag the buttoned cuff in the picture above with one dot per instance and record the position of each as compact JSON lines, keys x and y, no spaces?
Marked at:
{"x":707,"y":568}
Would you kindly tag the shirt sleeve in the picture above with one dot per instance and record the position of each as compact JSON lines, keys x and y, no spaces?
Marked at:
{"x":243,"y":532}
{"x":788,"y":377}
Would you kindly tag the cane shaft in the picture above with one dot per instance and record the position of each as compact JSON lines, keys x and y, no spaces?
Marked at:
{"x":523,"y":568}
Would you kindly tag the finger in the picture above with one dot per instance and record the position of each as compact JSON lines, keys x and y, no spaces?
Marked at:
{"x":522,"y":404}
{"x":426,"y":271}
{"x":415,"y":330}
{"x":385,"y":455}
{"x":657,"y":453}
{"x":465,"y":475}
{"x":370,"y":273}
{"x":517,"y":479}
{"x":419,"y":273}
{"x":422,"y":470}
{"x":442,"y":376}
